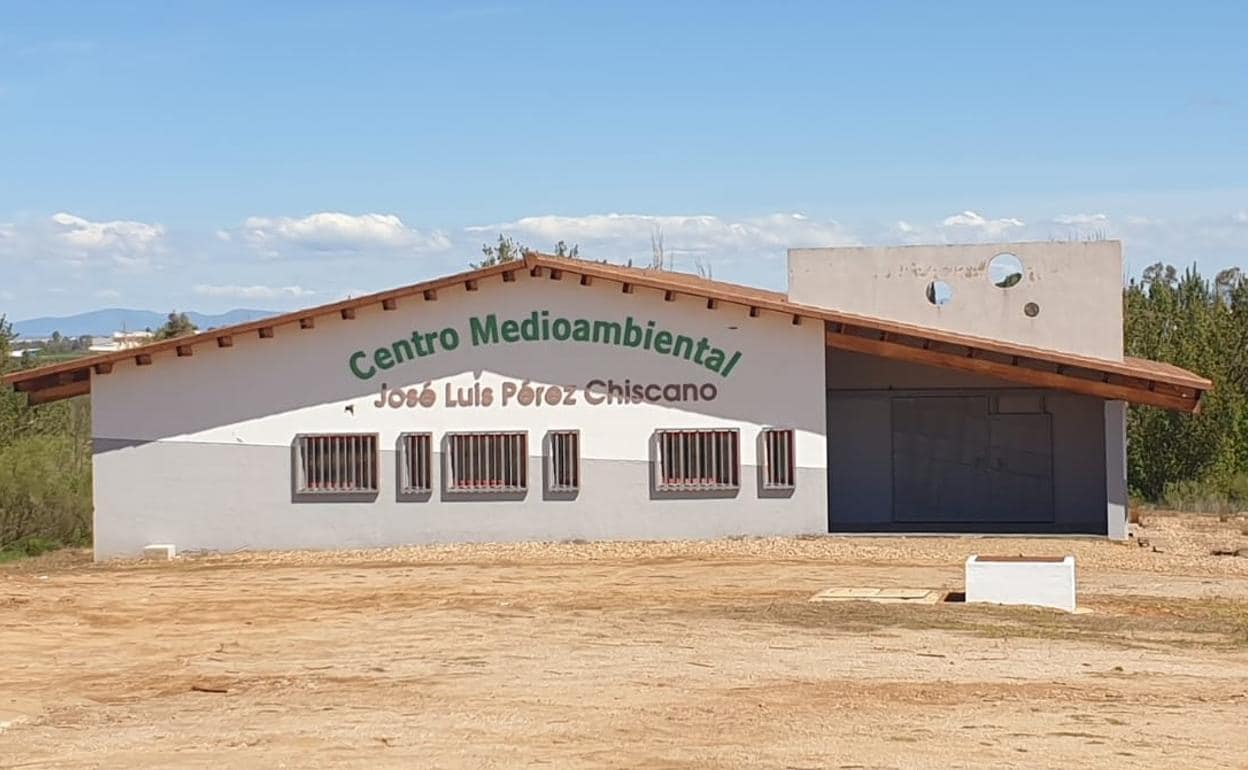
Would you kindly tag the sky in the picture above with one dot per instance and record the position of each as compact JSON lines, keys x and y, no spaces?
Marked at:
{"x":211,"y":155}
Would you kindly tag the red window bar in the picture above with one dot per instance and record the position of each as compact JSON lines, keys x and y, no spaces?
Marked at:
{"x":563,"y":461}
{"x":779,"y":466}
{"x":487,"y":462}
{"x":699,"y":459}
{"x":338,"y":463}
{"x":417,"y":463}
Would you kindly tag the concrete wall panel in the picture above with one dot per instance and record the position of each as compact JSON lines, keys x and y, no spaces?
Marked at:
{"x":1076,"y":287}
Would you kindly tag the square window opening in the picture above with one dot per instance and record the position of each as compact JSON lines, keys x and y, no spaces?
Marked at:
{"x":698,"y":460}
{"x":336,"y":464}
{"x":487,"y":463}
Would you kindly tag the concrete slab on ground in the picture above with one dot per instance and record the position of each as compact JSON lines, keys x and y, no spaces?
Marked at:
{"x":879,"y":595}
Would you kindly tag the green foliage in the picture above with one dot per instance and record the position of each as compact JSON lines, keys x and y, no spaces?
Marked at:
{"x":508,"y":250}
{"x":45,"y":469}
{"x":1210,"y":496}
{"x":27,"y":547}
{"x":176,"y":325}
{"x":1200,"y":325}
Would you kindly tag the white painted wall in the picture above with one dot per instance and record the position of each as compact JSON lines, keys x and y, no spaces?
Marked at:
{"x":196,"y":451}
{"x":1033,"y":583}
{"x":1076,"y":285}
{"x":265,"y":391}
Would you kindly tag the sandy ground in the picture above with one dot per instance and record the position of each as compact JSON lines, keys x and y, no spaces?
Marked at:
{"x":704,"y":655}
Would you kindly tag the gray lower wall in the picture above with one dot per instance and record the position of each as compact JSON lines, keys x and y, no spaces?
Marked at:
{"x":226,"y":497}
{"x":861,"y":390}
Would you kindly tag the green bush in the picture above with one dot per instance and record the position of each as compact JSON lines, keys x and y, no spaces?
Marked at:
{"x":1207,"y":496}
{"x":45,"y":490}
{"x":1237,"y":491}
{"x":28,"y":546}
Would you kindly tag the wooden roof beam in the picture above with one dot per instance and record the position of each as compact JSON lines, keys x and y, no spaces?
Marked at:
{"x":58,"y":392}
{"x":1031,"y":376}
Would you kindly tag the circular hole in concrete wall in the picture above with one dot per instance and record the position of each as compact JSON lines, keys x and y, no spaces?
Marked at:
{"x":1031,"y":310}
{"x":939,"y":293}
{"x":1005,"y":270}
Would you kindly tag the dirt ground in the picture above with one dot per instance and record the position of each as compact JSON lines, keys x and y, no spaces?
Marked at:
{"x":629,"y":655}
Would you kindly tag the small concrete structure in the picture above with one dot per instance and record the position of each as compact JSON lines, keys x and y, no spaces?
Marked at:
{"x":1039,"y":581}
{"x":879,"y":595}
{"x":160,"y":552}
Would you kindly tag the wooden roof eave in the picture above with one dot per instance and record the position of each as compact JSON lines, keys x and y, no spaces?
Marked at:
{"x":1021,"y":370}
{"x":1175,"y":389}
{"x":22,"y":380}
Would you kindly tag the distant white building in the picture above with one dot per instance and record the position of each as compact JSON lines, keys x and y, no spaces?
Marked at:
{"x":122,"y":340}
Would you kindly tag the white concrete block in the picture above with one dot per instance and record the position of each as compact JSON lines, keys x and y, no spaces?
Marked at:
{"x":160,"y":552}
{"x":1039,"y":581}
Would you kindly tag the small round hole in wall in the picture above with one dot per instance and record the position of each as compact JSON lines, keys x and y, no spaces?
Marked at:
{"x":1005,"y":270}
{"x":939,"y":293}
{"x":1031,"y":310}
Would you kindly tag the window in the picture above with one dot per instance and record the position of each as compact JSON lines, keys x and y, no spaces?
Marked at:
{"x":487,"y":462}
{"x":563,"y":461}
{"x":779,"y":468}
{"x":415,"y":463}
{"x":337,"y":464}
{"x":698,"y":460}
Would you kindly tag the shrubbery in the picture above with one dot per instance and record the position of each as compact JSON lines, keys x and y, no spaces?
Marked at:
{"x":1207,"y":497}
{"x":1199,"y":325}
{"x":45,"y":471}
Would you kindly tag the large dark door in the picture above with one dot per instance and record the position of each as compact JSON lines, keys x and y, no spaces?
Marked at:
{"x":954,"y":461}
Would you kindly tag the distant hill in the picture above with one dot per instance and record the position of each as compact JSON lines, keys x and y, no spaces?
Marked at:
{"x":103,"y":322}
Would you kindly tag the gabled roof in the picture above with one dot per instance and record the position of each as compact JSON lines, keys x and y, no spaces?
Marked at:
{"x":1135,"y":380}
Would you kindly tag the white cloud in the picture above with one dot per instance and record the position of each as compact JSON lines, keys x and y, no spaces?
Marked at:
{"x":974,"y":222}
{"x":1240,"y":217}
{"x":125,"y":243}
{"x":106,"y":294}
{"x":620,"y":236}
{"x":1081,"y":219}
{"x":330,"y":232}
{"x":251,"y":292}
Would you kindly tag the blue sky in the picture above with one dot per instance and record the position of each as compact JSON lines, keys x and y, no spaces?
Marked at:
{"x":278,"y":154}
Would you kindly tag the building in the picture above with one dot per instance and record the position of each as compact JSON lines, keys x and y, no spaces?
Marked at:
{"x":122,"y":340}
{"x":917,"y":389}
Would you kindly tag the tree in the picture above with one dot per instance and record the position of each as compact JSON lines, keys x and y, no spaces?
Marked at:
{"x":6,"y":336}
{"x":1202,"y":326}
{"x":508,"y":250}
{"x":177,"y":325}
